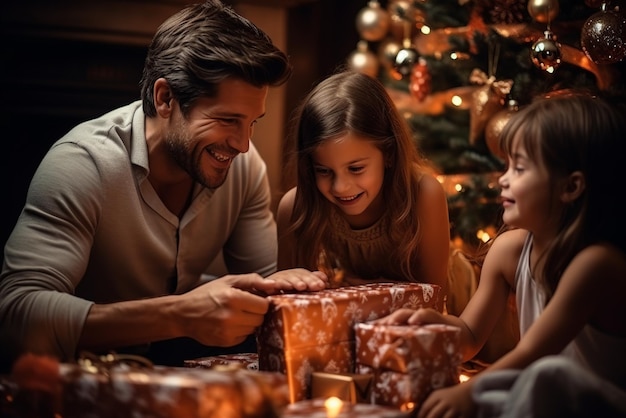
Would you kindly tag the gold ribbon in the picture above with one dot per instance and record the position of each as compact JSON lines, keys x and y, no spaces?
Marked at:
{"x":501,"y":87}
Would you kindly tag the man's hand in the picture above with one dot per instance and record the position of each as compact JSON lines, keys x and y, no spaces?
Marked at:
{"x":224,"y":311}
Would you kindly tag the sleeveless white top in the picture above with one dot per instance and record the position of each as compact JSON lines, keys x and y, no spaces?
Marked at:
{"x":601,"y":353}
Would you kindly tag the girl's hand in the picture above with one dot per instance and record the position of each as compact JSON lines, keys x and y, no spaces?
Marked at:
{"x":407,"y":316}
{"x":453,"y":401}
{"x":297,"y":279}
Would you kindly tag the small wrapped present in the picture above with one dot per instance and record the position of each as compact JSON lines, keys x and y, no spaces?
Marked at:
{"x":314,"y":331}
{"x":249,"y":361}
{"x":407,"y":361}
{"x":349,"y":387}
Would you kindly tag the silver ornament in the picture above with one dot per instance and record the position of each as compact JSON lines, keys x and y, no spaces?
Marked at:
{"x":546,"y":53}
{"x":405,"y":60}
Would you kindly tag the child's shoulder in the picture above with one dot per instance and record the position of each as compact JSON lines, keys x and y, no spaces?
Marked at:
{"x":285,"y":205}
{"x":429,"y":185}
{"x":510,"y":241}
{"x":603,"y":258}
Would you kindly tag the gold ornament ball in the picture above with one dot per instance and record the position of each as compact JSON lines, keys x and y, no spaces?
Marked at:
{"x":387,"y":51}
{"x":363,"y":60}
{"x":372,"y":22}
{"x":404,"y":19}
{"x":494,"y":128}
{"x":543,"y":11}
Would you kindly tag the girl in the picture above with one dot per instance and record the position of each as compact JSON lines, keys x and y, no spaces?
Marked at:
{"x":564,"y":256}
{"x":366,"y":204}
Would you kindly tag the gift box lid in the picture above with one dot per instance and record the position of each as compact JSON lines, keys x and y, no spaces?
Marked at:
{"x":327,"y":316}
{"x":403,"y":348}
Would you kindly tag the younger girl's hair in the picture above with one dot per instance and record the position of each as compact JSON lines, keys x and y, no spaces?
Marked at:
{"x":569,"y":131}
{"x":352,"y":102}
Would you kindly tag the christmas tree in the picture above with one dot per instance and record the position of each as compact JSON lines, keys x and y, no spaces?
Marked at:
{"x":457,"y":69}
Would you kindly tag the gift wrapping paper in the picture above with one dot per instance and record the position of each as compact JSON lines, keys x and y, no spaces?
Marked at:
{"x":249,"y":361}
{"x":314,"y":331}
{"x":407,"y":361}
{"x":123,"y":390}
{"x":166,"y":392}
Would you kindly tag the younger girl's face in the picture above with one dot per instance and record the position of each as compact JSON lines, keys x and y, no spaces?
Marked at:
{"x":349,"y":172}
{"x":526,"y":191}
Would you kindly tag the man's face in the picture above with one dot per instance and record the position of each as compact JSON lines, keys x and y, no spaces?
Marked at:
{"x":216,"y":131}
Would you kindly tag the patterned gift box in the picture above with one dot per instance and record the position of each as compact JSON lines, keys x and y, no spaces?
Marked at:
{"x":165,"y":392}
{"x":314,"y":331}
{"x":249,"y":361}
{"x":407,"y":361}
{"x":128,"y":386}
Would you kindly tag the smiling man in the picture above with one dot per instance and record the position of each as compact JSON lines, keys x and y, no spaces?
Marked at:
{"x":126,"y":212}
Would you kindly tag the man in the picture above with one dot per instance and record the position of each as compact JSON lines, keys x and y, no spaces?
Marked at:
{"x":126,"y":212}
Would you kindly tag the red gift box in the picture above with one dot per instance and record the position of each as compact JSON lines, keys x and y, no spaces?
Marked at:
{"x":407,"y":361}
{"x":314,"y":331}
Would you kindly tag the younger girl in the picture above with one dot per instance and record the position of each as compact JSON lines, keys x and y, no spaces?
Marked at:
{"x":566,"y":262}
{"x":365,"y":205}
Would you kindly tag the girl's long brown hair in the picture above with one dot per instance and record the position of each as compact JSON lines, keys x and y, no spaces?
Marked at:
{"x":353,"y":102}
{"x":576,"y":131}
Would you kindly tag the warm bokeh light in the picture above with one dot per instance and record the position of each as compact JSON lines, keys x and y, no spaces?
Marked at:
{"x":456,"y":100}
{"x":463,"y":378}
{"x":483,"y":235}
{"x":333,"y":406}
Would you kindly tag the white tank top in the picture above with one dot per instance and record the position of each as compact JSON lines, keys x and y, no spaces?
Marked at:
{"x":603,"y":354}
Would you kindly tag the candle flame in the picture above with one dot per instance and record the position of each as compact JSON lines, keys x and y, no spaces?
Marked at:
{"x":333,"y":406}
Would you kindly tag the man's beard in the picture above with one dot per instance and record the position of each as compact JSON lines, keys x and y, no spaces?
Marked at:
{"x":181,"y":149}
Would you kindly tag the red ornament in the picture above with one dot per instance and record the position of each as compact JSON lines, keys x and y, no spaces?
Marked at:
{"x":419,"y":83}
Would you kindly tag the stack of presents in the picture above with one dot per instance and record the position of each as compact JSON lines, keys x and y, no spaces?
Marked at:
{"x":312,"y":347}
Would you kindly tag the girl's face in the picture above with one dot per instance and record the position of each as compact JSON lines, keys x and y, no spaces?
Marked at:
{"x":526,"y":191}
{"x":349,"y":172}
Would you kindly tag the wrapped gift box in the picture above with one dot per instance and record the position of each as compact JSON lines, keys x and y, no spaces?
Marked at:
{"x":249,"y":361}
{"x":348,"y":387}
{"x":407,"y":361}
{"x":121,"y":390}
{"x":314,"y":331}
{"x":173,"y":392}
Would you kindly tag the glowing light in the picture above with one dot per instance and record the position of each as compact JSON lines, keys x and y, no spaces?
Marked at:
{"x":463,"y":378}
{"x":408,"y":406}
{"x":425,"y":30}
{"x":483,"y":235}
{"x":333,"y":406}
{"x":456,"y":100}
{"x":458,"y":187}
